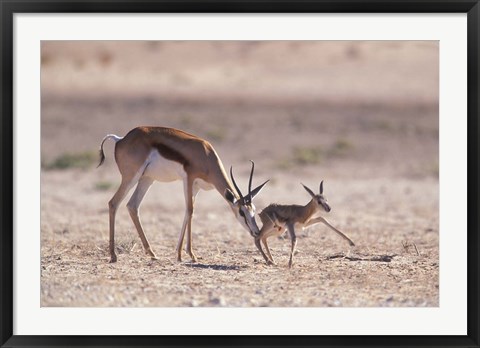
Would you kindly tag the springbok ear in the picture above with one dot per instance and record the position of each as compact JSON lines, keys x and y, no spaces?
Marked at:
{"x":308,"y":190}
{"x":321,"y":187}
{"x":229,"y":196}
{"x":257,"y":190}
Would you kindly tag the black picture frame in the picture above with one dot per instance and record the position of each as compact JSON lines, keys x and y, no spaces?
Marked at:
{"x":9,"y":8}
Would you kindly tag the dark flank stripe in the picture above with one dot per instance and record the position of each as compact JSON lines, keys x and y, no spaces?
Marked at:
{"x":171,"y":154}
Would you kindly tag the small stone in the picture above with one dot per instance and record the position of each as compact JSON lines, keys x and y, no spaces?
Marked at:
{"x":218,"y":301}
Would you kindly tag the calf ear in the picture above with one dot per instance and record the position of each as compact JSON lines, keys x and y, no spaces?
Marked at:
{"x":310,"y":192}
{"x":229,"y":196}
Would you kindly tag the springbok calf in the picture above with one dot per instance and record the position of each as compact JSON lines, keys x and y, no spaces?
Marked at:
{"x":148,"y":154}
{"x":276,"y":217}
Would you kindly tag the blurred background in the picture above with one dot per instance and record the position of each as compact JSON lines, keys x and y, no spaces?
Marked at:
{"x":292,"y":102}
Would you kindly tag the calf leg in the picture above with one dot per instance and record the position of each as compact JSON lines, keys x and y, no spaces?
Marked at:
{"x":293,"y":237}
{"x":259,"y":247}
{"x":262,"y":236}
{"x":264,"y":241}
{"x":325,"y":221}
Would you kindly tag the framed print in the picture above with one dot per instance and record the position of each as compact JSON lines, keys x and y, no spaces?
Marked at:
{"x":255,"y":174}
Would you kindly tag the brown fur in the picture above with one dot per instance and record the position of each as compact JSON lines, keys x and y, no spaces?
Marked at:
{"x":288,"y":213}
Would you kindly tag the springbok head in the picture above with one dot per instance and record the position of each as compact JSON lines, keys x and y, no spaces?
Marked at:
{"x":319,"y":199}
{"x":242,"y":205}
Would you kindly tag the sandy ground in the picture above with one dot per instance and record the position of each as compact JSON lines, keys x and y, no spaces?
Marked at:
{"x":362,"y":116}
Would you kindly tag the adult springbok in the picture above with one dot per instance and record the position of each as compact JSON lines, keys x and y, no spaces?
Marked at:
{"x":148,"y":154}
{"x":275,"y":217}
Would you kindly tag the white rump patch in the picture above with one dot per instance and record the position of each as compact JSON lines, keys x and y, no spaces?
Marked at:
{"x":116,"y":138}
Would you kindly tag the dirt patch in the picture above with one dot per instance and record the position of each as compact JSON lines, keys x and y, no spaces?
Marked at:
{"x":363,"y":118}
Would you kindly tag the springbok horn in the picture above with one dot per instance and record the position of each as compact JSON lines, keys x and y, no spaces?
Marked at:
{"x":257,"y":190}
{"x":321,"y":187}
{"x":235,"y":184}
{"x":250,"y":180}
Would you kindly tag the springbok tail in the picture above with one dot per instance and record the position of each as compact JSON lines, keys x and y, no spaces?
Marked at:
{"x":102,"y":154}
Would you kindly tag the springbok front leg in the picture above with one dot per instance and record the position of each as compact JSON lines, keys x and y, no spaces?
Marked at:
{"x":293,"y":237}
{"x":190,"y":194}
{"x":194,"y":192}
{"x":325,"y":221}
{"x":133,"y":208}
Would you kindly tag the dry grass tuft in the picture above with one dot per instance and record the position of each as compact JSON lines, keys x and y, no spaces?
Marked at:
{"x":81,"y":160}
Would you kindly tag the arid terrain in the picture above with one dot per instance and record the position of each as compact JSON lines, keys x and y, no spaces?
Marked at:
{"x":362,"y":116}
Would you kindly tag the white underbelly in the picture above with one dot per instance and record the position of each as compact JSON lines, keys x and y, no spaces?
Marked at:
{"x":161,"y":169}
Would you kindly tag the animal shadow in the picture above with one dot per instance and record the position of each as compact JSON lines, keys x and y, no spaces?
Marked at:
{"x":215,"y":267}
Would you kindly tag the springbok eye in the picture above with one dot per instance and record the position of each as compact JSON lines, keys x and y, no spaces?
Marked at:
{"x":242,"y":214}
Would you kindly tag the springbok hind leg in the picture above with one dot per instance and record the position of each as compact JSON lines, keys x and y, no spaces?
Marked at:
{"x":133,"y":208}
{"x":113,"y":204}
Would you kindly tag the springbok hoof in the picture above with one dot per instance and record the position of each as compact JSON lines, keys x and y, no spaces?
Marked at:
{"x":151,"y":254}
